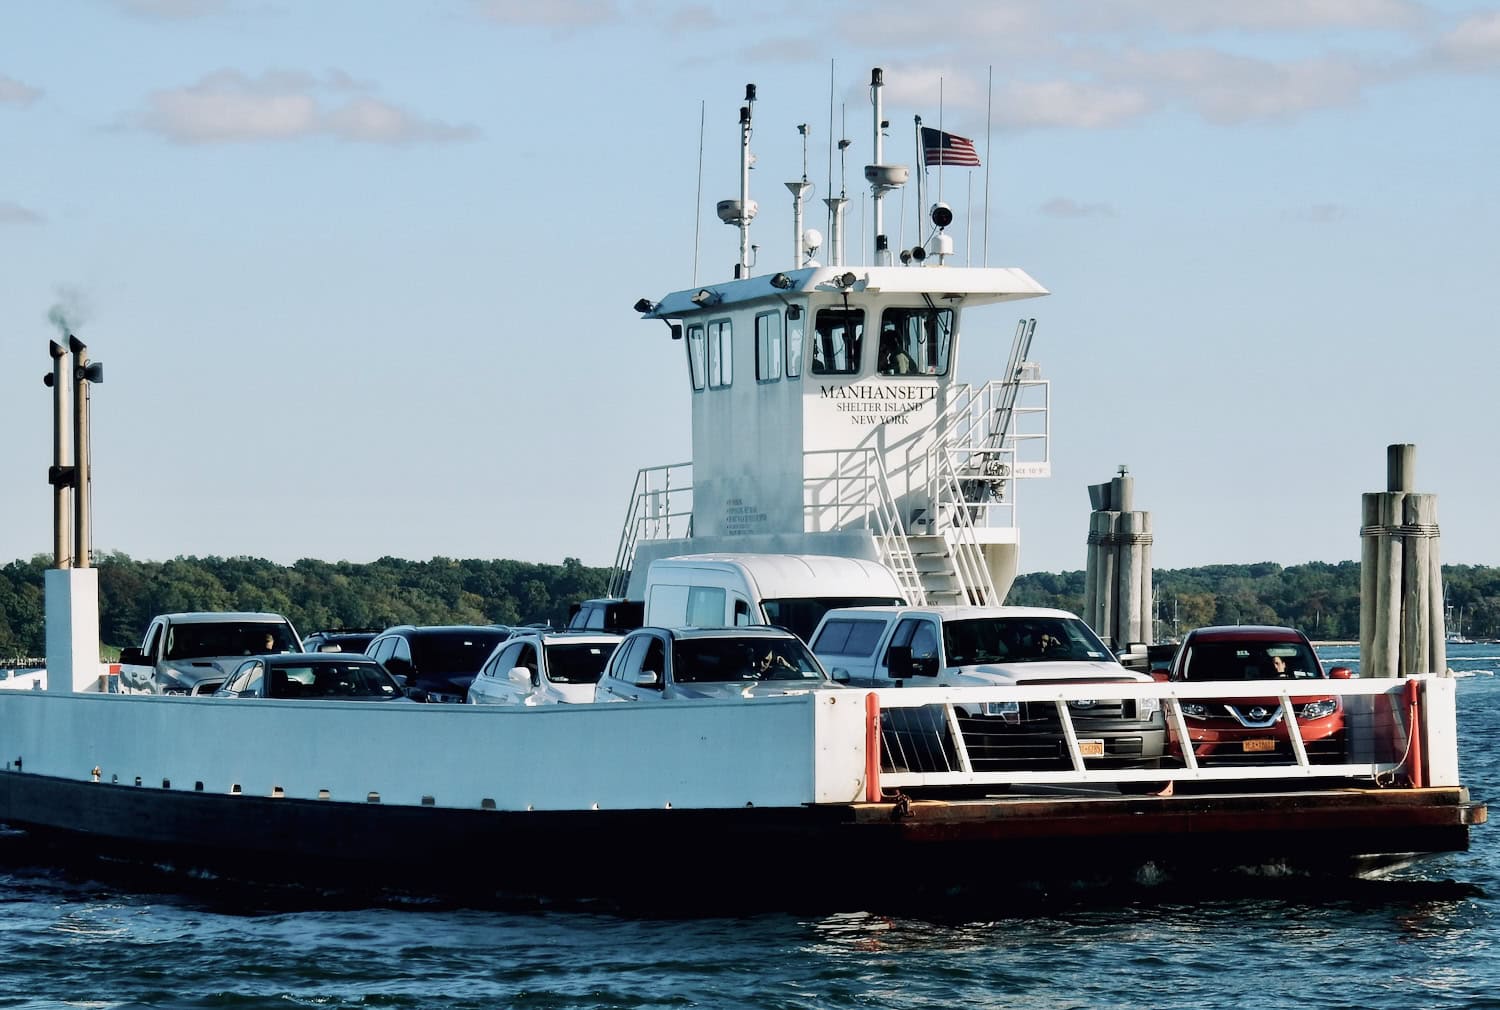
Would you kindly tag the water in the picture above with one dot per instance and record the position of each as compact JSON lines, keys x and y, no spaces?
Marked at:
{"x":1426,"y":938}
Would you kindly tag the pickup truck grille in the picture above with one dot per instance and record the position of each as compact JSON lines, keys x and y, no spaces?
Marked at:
{"x":921,"y":739}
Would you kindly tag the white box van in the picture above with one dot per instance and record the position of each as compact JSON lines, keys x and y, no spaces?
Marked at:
{"x":793,"y":591}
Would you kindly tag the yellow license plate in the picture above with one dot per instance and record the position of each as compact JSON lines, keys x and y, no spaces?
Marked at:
{"x":1259,"y":745}
{"x":1091,"y":748}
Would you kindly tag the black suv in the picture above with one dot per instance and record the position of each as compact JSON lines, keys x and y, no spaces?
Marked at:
{"x":439,"y":660}
{"x":354,"y":640}
{"x":610,"y":614}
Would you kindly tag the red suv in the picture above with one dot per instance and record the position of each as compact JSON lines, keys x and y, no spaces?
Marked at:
{"x":1247,"y":730}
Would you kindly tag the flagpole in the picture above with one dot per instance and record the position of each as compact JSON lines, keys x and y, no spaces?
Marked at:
{"x":942,"y":158}
{"x":921,"y":177}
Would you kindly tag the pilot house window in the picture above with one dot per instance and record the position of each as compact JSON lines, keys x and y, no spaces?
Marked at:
{"x":837,"y":337}
{"x":695,"y":356}
{"x":768,"y":346}
{"x":794,"y":331}
{"x":720,"y":354}
{"x":915,"y":341}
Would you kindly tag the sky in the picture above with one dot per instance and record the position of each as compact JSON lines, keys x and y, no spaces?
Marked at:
{"x":360,"y":272}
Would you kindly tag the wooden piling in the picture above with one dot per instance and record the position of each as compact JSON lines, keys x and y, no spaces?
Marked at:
{"x":1401,"y":621}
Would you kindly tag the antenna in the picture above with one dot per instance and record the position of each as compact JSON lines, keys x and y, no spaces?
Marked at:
{"x":989,"y":104}
{"x":829,"y":191}
{"x":837,"y":205}
{"x":698,"y":203}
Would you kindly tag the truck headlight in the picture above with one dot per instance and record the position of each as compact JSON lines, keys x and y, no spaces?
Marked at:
{"x":1007,"y":711}
{"x":1146,"y":708}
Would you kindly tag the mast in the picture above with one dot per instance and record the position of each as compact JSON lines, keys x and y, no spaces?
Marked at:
{"x":799,"y":193}
{"x":882,"y":177}
{"x":742,"y":211}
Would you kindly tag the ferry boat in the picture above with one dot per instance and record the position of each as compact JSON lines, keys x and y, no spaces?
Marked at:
{"x":810,"y":435}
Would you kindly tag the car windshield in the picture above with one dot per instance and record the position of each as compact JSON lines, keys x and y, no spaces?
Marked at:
{"x":1249,"y":660}
{"x":228,"y":638}
{"x":454,"y":651}
{"x":721,"y":660}
{"x":1021,"y":640}
{"x":353,"y":679}
{"x":577,"y":662}
{"x":800,"y":615}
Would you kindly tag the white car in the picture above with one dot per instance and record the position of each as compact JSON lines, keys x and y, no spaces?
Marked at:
{"x":666,"y":664}
{"x":543,"y":668}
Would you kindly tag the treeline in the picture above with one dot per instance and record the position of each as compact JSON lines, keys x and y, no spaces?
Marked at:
{"x":314,"y":594}
{"x":1321,"y":599}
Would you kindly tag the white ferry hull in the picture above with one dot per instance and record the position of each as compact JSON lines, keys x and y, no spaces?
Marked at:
{"x":757,"y":804}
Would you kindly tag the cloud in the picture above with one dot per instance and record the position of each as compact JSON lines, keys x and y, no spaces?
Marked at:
{"x":172,"y":10}
{"x":228,"y":106}
{"x":1071,"y":103}
{"x":13,"y":92}
{"x":1203,"y":17}
{"x":1319,"y":213}
{"x":1083,"y":64}
{"x":1061,"y":206}
{"x":14,"y":213}
{"x":1475,"y":43}
{"x":560,"y":14}
{"x":1230,"y":88}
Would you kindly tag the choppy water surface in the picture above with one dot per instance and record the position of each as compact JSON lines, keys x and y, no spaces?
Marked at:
{"x":1425,"y":938}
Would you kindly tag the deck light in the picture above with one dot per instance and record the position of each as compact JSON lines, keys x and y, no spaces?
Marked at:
{"x":782,"y":281}
{"x":707,"y":297}
{"x":645,"y":306}
{"x":845,"y":280}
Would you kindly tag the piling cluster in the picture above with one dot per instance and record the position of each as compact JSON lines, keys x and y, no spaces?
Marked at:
{"x":1117,"y":593}
{"x":1401,"y":629}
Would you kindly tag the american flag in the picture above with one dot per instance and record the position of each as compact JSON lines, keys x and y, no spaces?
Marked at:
{"x":939,"y":148}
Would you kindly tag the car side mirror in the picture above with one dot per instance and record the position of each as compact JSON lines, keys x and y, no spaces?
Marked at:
{"x":1135,"y":657}
{"x":840,"y":675}
{"x":647,"y":678}
{"x":898,"y":661}
{"x":1161,"y":676}
{"x":133,"y":656}
{"x":1342,"y":673}
{"x":520,"y":676}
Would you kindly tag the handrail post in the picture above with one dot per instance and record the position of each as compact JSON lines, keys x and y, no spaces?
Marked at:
{"x":872,"y":748}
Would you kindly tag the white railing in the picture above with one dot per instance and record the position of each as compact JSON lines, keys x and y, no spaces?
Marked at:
{"x":1378,"y":745}
{"x":660,"y":508}
{"x":849,"y":488}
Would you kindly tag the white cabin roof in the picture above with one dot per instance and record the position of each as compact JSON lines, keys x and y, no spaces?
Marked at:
{"x":974,"y":285}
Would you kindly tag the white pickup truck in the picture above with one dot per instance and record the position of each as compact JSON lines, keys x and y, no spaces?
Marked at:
{"x":192,"y":653}
{"x":994,"y":647}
